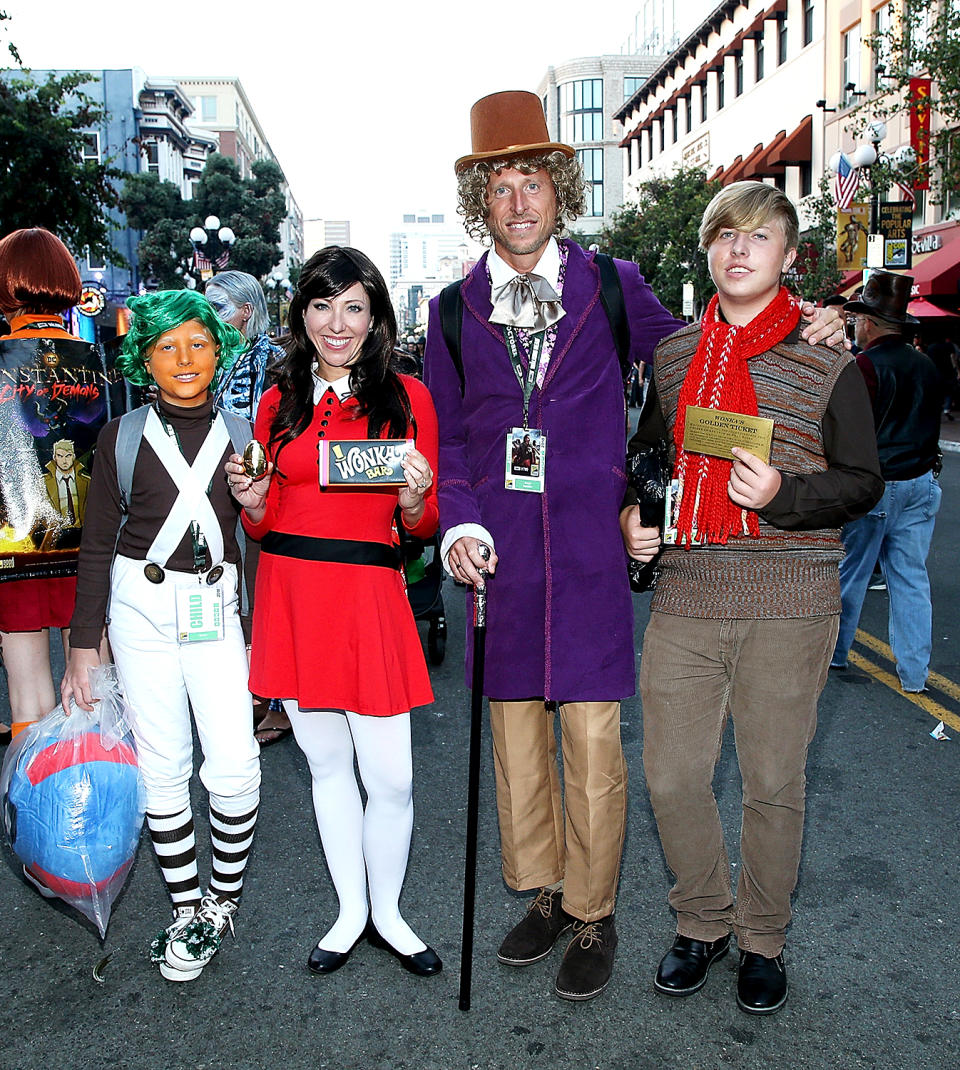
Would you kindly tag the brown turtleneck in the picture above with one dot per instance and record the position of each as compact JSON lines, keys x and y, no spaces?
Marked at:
{"x":151,"y":499}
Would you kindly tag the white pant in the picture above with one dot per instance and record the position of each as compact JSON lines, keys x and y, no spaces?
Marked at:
{"x":162,"y":680}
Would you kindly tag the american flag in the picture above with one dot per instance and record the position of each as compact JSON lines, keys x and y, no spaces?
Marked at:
{"x":845,"y":183}
{"x":201,"y":262}
{"x":906,"y":193}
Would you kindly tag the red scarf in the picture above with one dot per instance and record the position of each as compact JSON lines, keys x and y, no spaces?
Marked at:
{"x":718,"y":378}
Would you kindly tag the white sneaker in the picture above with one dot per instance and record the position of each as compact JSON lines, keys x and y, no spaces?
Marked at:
{"x":194,"y":945}
{"x":182,"y":916}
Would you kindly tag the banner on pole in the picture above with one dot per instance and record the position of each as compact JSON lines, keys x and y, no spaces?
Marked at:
{"x":896,"y":226}
{"x":853,"y":226}
{"x":920,"y":129}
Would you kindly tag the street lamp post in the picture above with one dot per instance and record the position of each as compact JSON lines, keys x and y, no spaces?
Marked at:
{"x":277,"y":285}
{"x":211,"y":247}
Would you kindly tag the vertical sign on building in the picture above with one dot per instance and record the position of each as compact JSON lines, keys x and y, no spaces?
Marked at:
{"x":920,"y":129}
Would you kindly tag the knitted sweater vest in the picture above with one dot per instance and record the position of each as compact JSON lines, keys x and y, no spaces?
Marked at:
{"x":780,"y":574}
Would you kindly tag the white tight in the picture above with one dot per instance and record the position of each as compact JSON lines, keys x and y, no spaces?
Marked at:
{"x":361,"y":846}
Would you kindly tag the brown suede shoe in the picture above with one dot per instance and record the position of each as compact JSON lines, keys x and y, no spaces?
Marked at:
{"x":588,"y":961}
{"x":533,"y":938}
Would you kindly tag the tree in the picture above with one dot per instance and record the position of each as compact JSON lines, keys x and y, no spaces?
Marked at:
{"x":926,"y":40}
{"x":815,"y":274}
{"x":46,"y":182}
{"x":253,"y":208}
{"x":660,"y":234}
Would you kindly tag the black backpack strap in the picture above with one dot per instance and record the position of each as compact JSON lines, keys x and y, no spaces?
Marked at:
{"x":611,"y":295}
{"x":451,"y":324}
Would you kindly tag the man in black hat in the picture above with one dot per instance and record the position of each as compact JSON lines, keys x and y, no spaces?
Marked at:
{"x":907,"y":395}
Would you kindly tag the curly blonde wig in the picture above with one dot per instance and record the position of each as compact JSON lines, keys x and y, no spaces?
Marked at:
{"x":564,"y":171}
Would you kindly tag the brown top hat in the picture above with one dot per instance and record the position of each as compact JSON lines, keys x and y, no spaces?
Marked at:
{"x":508,"y":124}
{"x":886,"y":296}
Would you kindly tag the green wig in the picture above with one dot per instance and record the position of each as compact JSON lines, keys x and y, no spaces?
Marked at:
{"x":164,"y":310}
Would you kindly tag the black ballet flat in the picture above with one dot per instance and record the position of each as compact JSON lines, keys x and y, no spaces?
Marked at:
{"x":322,"y":961}
{"x":423,"y":963}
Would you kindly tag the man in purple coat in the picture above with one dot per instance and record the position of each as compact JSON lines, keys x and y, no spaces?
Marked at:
{"x":539,"y":360}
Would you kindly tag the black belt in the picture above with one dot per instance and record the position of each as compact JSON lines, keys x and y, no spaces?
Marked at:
{"x":339,"y":551}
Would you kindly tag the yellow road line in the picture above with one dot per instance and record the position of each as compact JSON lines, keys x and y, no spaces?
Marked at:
{"x":941,"y":683}
{"x":923,"y":701}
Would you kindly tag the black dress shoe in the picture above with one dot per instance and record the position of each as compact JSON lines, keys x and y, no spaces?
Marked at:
{"x":761,"y":983}
{"x":422,"y":963}
{"x":322,"y":961}
{"x":683,"y":970}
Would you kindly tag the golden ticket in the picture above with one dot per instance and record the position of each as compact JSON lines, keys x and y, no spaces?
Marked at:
{"x":714,"y":431}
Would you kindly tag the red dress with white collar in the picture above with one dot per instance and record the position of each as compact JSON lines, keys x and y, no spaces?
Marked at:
{"x":332,"y":635}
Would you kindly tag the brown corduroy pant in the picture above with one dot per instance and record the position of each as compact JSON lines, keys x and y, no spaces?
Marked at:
{"x":767,"y":675}
{"x":536,"y":849}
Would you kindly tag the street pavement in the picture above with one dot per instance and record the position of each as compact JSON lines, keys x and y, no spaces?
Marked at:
{"x":872,"y":954}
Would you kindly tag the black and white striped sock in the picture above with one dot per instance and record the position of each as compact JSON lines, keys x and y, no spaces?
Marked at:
{"x":176,"y":848}
{"x":231,"y":836}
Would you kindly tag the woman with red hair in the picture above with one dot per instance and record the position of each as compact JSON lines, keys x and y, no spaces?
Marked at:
{"x":38,"y":281}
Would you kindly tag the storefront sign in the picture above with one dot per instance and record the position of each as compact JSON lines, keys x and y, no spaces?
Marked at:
{"x":927,"y":243}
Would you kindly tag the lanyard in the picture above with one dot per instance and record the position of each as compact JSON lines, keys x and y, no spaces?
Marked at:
{"x":197,"y":538}
{"x":527,"y":378}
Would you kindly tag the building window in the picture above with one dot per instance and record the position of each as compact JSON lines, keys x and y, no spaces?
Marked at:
{"x":152,"y":154}
{"x":207,"y":109}
{"x":591,"y":160}
{"x":882,"y":25}
{"x":781,"y":39}
{"x":806,"y":179}
{"x":720,"y":87}
{"x":631,"y":85}
{"x":737,"y":73}
{"x":581,"y":111}
{"x":91,"y":147}
{"x":758,"y":66}
{"x":850,"y":65}
{"x":688,"y":109}
{"x":807,"y":22}
{"x":703,"y":102}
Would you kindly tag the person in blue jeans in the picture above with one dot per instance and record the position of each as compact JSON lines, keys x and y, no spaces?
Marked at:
{"x":907,"y":395}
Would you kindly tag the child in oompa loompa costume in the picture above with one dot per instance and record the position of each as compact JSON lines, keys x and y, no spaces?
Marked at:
{"x":159,"y":565}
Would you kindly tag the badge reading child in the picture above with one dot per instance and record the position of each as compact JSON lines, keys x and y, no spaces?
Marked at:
{"x":714,"y":431}
{"x":526,"y":459}
{"x":363,"y":462}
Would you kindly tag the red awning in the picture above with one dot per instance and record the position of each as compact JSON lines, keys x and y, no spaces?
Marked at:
{"x":761,"y":165}
{"x":925,"y":310}
{"x":797,"y":147}
{"x":938,"y":273}
{"x":738,"y":168}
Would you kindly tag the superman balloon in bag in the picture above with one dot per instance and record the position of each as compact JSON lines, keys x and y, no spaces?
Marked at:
{"x":73,"y":804}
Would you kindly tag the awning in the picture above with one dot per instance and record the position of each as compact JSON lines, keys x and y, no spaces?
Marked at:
{"x":937,"y":274}
{"x":738,"y":168}
{"x":796,"y":148}
{"x":925,"y":310}
{"x":761,"y":165}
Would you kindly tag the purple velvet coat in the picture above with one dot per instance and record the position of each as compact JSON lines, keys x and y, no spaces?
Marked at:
{"x":559,"y":609}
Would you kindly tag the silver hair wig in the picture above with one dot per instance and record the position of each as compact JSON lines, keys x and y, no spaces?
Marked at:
{"x":238,"y":288}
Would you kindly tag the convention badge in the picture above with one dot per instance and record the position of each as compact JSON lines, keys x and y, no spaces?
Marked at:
{"x":714,"y":431}
{"x":199,"y":614}
{"x":671,"y":512}
{"x":526,"y":459}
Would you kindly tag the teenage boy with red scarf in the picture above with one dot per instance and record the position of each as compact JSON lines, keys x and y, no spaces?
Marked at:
{"x":745,"y":614}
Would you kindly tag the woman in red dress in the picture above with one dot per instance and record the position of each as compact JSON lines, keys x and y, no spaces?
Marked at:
{"x":38,"y":281}
{"x":333,"y":632}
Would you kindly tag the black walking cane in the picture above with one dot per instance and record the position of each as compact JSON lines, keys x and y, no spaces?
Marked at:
{"x":473,"y":785}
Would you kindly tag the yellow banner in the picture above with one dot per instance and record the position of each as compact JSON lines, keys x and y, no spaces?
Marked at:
{"x":853,"y":226}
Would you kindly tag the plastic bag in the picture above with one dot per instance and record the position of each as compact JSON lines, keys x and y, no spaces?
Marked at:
{"x":73,"y":800}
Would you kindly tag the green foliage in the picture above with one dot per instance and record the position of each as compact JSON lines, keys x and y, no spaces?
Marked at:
{"x":815,"y":274}
{"x":253,"y":208}
{"x":46,"y":181}
{"x":925,"y":43}
{"x":660,"y":234}
{"x":11,"y":47}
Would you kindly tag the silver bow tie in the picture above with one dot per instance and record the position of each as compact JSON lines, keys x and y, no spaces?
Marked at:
{"x":526,"y":301}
